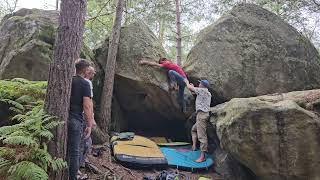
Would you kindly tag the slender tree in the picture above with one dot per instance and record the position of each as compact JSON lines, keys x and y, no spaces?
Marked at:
{"x":107,"y":91}
{"x":178,"y":36}
{"x":66,"y":51}
{"x":57,"y":5}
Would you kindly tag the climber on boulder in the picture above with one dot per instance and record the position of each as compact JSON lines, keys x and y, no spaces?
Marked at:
{"x":177,"y":77}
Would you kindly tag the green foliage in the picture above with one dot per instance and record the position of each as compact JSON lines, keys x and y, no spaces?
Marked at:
{"x":98,"y":22}
{"x":27,"y":170}
{"x":18,"y":87}
{"x":24,"y":154}
{"x":19,"y":96}
{"x":160,"y":16}
{"x":195,"y":15}
{"x":14,"y":106}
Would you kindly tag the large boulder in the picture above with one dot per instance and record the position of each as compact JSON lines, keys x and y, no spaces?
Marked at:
{"x":251,"y":52}
{"x":275,"y":136}
{"x":26,"y":43}
{"x":141,"y":92}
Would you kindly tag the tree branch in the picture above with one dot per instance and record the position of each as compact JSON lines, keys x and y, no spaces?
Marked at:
{"x":316,"y":3}
{"x":98,"y":14}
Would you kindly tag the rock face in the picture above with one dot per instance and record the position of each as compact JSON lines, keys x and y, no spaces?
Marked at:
{"x":26,"y":43}
{"x":251,"y":52}
{"x":140,"y":91}
{"x":26,"y":39}
{"x":276,"y":136}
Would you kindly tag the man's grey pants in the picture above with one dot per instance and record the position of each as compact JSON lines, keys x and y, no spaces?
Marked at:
{"x":199,"y":130}
{"x":75,"y":128}
{"x":85,"y":149}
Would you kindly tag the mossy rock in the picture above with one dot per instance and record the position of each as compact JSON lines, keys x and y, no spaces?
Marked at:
{"x":272,"y":135}
{"x":250,"y":52}
{"x":141,"y":98}
{"x":27,"y":38}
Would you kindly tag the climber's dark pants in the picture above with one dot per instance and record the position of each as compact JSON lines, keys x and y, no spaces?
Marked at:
{"x":177,"y":78}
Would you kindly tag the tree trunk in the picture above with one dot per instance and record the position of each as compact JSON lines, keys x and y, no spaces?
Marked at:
{"x":57,"y":5}
{"x":107,"y":91}
{"x":178,"y":37}
{"x":66,"y":51}
{"x":161,"y":30}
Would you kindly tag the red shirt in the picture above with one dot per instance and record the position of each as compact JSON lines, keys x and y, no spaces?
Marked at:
{"x":171,"y":66}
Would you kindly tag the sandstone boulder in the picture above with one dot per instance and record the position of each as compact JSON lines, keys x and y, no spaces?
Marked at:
{"x":141,"y":92}
{"x":251,"y":52}
{"x":26,"y":44}
{"x":275,"y":136}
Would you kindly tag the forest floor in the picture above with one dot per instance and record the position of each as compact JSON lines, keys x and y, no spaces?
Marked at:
{"x":106,"y":168}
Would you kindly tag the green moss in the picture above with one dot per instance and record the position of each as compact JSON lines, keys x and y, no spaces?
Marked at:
{"x":17,"y":19}
{"x":47,"y":34}
{"x":17,"y":88}
{"x":46,"y":51}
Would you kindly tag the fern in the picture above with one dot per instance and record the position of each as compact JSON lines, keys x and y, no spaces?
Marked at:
{"x":4,"y":163}
{"x":25,"y":99}
{"x":58,"y":164}
{"x":5,"y":130}
{"x":47,"y":118}
{"x":15,"y":110}
{"x":19,"y":133}
{"x":52,"y":124}
{"x":19,"y":140}
{"x":19,"y":117}
{"x":46,"y":134}
{"x":20,"y":95}
{"x":16,"y":88}
{"x":28,"y":170}
{"x":25,"y":155}
{"x":43,"y":157}
{"x":14,"y":106}
{"x":7,"y":152}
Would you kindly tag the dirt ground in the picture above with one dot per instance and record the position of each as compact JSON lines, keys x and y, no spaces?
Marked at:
{"x":109,"y":169}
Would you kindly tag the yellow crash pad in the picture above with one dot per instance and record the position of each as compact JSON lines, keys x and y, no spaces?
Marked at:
{"x":139,"y":146}
{"x":159,"y":139}
{"x":204,"y":178}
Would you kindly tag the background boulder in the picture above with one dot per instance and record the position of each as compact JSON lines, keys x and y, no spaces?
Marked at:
{"x":275,"y":136}
{"x":142,"y":101}
{"x":251,"y":52}
{"x":26,"y":44}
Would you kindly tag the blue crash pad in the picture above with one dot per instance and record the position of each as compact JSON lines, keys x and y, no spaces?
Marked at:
{"x":185,"y":158}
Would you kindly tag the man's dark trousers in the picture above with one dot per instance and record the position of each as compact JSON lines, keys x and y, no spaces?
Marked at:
{"x":75,"y":130}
